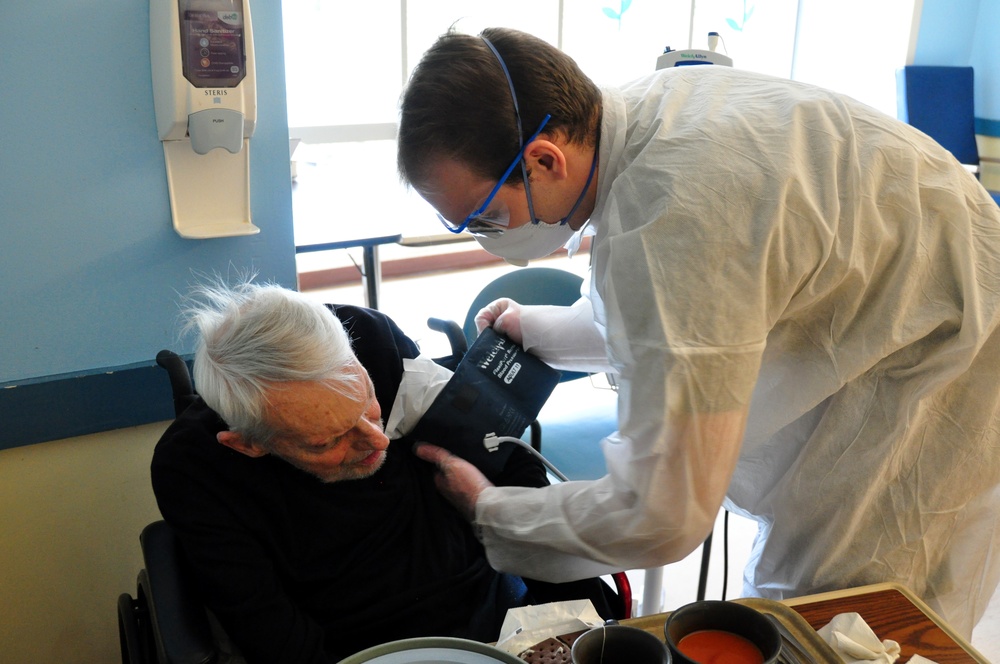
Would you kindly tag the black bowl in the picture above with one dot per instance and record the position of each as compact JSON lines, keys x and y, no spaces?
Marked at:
{"x":727,"y":617}
{"x":613,"y":644}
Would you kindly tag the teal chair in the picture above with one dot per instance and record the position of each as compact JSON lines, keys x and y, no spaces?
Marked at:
{"x":530,"y":285}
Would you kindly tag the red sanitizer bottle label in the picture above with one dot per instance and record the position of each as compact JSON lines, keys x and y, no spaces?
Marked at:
{"x":214,"y":56}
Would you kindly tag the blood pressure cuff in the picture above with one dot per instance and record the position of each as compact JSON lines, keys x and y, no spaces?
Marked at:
{"x":498,"y":388}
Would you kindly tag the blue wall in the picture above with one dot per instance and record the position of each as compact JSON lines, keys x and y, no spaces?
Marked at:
{"x":963,"y":33}
{"x":984,"y":58}
{"x":89,"y":261}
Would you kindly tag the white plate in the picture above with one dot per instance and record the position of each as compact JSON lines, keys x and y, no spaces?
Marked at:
{"x":432,"y":650}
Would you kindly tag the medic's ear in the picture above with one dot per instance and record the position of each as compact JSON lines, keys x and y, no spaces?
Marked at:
{"x":548,"y":156}
{"x":235,"y":441}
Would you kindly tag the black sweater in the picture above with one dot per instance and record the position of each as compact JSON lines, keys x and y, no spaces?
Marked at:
{"x":301,"y":571}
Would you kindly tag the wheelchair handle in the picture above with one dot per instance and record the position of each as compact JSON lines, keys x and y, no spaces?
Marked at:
{"x":177,"y":370}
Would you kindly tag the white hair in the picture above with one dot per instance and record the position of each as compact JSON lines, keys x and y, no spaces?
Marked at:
{"x":251,"y":337}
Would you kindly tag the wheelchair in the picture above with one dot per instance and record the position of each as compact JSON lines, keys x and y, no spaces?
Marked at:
{"x":166,"y":622}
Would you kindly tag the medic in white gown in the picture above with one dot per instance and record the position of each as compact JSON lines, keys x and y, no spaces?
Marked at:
{"x":801,"y":299}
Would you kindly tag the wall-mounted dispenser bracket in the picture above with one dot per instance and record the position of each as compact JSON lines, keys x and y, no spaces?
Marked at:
{"x":205,"y":96}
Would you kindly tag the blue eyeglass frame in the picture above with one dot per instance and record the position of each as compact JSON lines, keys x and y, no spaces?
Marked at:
{"x":517,"y":160}
{"x":503,"y":178}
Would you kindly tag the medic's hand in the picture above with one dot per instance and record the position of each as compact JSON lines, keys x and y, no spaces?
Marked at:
{"x":504,"y":316}
{"x":457,"y":479}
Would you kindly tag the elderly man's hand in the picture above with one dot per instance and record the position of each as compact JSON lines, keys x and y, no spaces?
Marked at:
{"x":457,"y":479}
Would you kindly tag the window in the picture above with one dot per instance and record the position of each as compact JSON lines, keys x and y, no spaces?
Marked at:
{"x":759,"y":35}
{"x":346,"y":65}
{"x":854,"y":47}
{"x":342,"y":63}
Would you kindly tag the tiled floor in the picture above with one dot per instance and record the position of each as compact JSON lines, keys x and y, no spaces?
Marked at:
{"x":411,"y":301}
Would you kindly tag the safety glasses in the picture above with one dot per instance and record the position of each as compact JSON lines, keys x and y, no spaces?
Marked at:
{"x":492,"y":222}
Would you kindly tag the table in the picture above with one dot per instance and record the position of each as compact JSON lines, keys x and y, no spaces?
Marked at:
{"x":327,"y":219}
{"x":371,"y":270}
{"x":371,"y":267}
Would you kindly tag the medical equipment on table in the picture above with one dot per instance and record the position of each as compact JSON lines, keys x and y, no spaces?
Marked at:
{"x":694,"y":56}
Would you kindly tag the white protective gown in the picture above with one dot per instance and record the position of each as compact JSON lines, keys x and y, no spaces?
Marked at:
{"x":801,"y":296}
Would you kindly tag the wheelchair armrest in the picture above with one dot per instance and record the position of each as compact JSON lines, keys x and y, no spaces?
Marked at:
{"x":179,"y":622}
{"x":452,"y":330}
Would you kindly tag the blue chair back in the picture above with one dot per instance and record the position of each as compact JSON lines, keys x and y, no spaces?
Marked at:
{"x":529,"y":285}
{"x":939,"y":102}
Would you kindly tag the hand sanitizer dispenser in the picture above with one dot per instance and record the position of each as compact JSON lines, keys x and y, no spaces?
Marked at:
{"x":205,"y":96}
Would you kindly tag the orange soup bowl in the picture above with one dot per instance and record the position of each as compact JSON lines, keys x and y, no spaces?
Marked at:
{"x":721,"y":632}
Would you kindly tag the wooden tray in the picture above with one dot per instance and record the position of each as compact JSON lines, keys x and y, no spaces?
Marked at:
{"x":893,"y":612}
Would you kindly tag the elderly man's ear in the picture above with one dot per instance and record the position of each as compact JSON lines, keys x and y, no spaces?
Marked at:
{"x":235,"y":441}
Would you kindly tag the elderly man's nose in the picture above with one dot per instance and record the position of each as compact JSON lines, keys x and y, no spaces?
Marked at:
{"x":373,"y":437}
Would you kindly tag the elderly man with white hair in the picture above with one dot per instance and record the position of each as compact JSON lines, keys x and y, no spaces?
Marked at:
{"x":311,"y":533}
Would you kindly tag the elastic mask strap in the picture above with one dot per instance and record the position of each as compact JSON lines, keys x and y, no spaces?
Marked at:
{"x":517,"y":118}
{"x":510,"y":84}
{"x":590,"y":177}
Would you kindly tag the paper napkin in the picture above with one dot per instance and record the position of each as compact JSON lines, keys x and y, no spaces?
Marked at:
{"x":527,"y":625}
{"x":856,"y":643}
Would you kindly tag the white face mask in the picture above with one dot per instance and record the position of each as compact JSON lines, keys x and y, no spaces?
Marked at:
{"x":528,"y":242}
{"x":537,"y":239}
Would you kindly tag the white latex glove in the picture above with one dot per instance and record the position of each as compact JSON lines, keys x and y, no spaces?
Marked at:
{"x":504,"y":316}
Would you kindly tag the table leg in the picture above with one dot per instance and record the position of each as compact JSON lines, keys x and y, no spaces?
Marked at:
{"x":371,"y":276}
{"x":652,"y":591}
